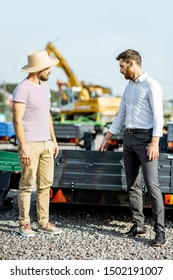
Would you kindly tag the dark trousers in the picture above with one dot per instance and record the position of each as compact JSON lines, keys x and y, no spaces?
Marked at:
{"x":135,"y":157}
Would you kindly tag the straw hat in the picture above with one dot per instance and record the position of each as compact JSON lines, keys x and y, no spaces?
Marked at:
{"x":38,"y":61}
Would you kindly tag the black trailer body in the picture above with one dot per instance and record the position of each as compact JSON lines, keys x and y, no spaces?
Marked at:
{"x":81,"y":135}
{"x":92,"y":177}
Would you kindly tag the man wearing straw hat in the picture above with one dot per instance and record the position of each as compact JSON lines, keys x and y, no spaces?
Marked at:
{"x":37,"y":143}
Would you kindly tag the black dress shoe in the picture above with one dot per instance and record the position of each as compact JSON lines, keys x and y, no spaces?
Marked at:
{"x":159,"y":239}
{"x":135,"y":231}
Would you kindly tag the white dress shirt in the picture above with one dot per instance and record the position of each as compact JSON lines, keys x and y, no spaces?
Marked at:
{"x":141,"y":106}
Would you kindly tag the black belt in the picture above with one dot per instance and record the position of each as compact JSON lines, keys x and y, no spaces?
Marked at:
{"x":138,"y":130}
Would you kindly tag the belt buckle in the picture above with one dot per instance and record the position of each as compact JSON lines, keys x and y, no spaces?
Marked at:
{"x":131,"y":130}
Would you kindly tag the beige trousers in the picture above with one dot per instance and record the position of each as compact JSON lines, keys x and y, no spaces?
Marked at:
{"x":38,"y":175}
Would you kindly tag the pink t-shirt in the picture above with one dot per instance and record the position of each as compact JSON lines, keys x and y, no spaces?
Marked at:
{"x":36,"y":117}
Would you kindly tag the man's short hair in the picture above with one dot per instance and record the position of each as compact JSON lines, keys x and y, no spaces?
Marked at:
{"x":130,"y":54}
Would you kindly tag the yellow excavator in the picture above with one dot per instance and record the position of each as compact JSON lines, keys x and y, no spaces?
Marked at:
{"x":76,"y":99}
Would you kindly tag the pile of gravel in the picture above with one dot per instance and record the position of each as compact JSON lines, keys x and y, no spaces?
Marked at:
{"x":92,"y":234}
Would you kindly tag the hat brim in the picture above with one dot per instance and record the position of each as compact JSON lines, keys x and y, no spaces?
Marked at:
{"x":27,"y":69}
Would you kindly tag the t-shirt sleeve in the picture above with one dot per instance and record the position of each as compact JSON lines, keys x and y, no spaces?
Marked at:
{"x":20,"y":95}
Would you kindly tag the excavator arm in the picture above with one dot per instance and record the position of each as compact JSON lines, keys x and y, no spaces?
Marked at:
{"x":72,"y":79}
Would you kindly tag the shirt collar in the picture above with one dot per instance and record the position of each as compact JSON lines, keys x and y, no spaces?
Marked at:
{"x":140,"y":78}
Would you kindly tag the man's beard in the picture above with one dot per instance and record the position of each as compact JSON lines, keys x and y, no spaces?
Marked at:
{"x":128,"y":74}
{"x":126,"y":77}
{"x":43,"y":78}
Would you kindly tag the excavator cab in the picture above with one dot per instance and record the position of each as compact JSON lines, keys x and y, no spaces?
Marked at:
{"x":68,"y":97}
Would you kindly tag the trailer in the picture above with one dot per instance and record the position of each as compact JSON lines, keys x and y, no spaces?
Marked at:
{"x":92,"y":177}
{"x":79,"y":134}
{"x":88,"y":178}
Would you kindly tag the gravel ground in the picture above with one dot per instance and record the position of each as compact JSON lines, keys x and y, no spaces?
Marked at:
{"x":92,"y":234}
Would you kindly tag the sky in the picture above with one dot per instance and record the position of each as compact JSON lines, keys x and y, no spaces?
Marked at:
{"x":89,"y":34}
